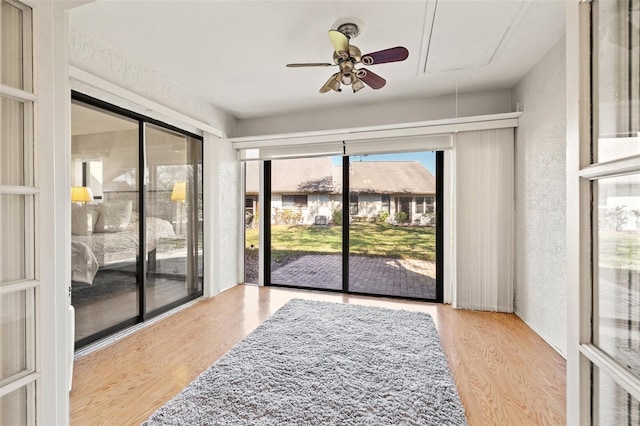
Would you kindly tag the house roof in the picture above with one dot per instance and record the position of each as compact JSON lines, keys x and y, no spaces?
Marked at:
{"x":301,"y":175}
{"x":318,"y":175}
{"x":390,"y":177}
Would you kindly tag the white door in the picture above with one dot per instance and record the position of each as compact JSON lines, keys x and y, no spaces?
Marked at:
{"x":19,"y":286}
{"x":604,"y":216}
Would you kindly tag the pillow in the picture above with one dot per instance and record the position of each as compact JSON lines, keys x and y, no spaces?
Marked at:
{"x":114,"y":217}
{"x":83,"y":219}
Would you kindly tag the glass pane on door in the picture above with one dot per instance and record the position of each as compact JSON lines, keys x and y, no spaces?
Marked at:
{"x":16,"y":334}
{"x":617,"y":296}
{"x":104,"y":231}
{"x":173,"y":205}
{"x":18,"y":407}
{"x":12,"y":45}
{"x":616,"y":91}
{"x":306,"y":222}
{"x":16,"y":252}
{"x":392,"y":231}
{"x":251,"y":222}
{"x":12,"y":150}
{"x":612,"y":404}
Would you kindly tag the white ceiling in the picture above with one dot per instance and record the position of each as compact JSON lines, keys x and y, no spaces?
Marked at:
{"x":233,"y":53}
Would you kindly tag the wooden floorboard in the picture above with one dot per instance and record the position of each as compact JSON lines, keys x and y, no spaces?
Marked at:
{"x":505,"y":373}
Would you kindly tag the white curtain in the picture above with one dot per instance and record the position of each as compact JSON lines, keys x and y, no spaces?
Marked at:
{"x":484,"y":220}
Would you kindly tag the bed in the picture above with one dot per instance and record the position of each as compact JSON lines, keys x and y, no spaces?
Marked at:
{"x":108,"y":234}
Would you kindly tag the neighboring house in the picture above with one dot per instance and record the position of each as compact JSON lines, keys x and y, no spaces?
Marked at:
{"x":309,"y":191}
{"x":392,"y":187}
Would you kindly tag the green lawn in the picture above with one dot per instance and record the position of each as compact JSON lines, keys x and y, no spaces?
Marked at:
{"x":371,"y":239}
{"x":619,"y":250}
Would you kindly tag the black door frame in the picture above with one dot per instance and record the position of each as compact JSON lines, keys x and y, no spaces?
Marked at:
{"x":141,"y":266}
{"x":345,"y":234}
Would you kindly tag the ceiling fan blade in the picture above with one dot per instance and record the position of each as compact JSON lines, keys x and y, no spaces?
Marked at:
{"x":332,"y":84}
{"x":371,"y":79}
{"x":340,"y":42}
{"x":310,"y":64}
{"x":394,"y":54}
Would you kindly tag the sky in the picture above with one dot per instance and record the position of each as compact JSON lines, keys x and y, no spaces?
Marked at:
{"x":427,"y":158}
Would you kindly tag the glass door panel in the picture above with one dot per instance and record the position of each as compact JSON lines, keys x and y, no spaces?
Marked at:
{"x":251,"y":222}
{"x":173,"y":205}
{"x":392,"y":225}
{"x":306,"y":222}
{"x":617,"y":295}
{"x":105,"y":286}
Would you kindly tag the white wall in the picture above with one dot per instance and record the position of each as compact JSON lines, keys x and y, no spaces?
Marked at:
{"x":540,"y":292}
{"x":382,"y":113}
{"x":221,"y":169}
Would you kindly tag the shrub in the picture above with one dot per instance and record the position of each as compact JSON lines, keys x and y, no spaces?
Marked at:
{"x":287,"y":217}
{"x":382,"y":216}
{"x":402,"y":217}
{"x":336,"y":217}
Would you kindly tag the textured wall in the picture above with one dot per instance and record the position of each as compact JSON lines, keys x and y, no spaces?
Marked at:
{"x":540,"y":292}
{"x":115,"y":66}
{"x":221,"y":170}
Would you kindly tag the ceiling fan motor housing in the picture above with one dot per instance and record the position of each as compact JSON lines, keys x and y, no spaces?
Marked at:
{"x":350,"y":30}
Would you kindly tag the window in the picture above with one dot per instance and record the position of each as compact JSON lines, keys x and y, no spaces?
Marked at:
{"x":419,"y":205}
{"x":298,"y":201}
{"x":429,"y":202}
{"x":386,"y":203}
{"x":353,"y":204}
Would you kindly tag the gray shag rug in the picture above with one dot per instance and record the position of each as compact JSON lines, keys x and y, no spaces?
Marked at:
{"x":319,"y":363}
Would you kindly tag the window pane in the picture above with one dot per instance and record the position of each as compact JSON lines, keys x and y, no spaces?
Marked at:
{"x":613,"y":405}
{"x":173,"y":201}
{"x":12,"y":47}
{"x":616,"y":55}
{"x":16,"y":331}
{"x":251,"y":222}
{"x":384,"y":258}
{"x":420,"y":205}
{"x":306,"y":240}
{"x":104,"y":232}
{"x":12,"y":148}
{"x":16,"y":251}
{"x":617,"y":293}
{"x":15,"y":406}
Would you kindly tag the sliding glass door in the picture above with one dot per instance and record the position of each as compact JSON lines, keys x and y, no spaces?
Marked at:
{"x":392,"y":231}
{"x":380,"y":239}
{"x":306,"y":222}
{"x":105,"y":193}
{"x":173,"y":206}
{"x":137,"y":218}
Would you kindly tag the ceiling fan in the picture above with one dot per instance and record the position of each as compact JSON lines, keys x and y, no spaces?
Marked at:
{"x":346,"y":56}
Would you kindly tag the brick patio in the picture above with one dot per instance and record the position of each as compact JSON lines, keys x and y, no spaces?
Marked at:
{"x":374,"y":275}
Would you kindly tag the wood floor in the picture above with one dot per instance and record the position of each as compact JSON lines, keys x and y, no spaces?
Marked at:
{"x":504,"y":372}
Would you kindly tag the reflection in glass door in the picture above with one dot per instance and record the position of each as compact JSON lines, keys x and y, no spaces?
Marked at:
{"x":136,"y":218}
{"x":173,"y":206}
{"x":392,"y":231}
{"x":306,"y":222}
{"x":105,"y":288}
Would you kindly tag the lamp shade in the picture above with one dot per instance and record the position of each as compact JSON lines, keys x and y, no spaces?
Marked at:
{"x":81,"y":194}
{"x":179,"y":192}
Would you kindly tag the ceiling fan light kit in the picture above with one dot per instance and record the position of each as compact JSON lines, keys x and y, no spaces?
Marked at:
{"x":346,"y":56}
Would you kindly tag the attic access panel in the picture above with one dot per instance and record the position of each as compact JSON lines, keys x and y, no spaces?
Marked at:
{"x":463,"y":35}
